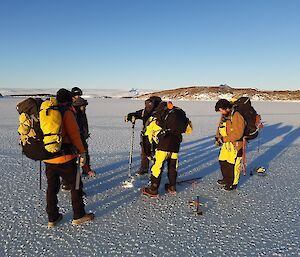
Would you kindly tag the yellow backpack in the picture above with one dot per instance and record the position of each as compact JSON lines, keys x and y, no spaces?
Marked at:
{"x":50,"y":123}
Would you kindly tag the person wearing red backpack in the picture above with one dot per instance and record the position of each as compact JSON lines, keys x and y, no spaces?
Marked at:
{"x":65,"y":166}
{"x":230,"y":137}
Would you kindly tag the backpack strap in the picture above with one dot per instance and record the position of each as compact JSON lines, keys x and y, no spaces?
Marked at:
{"x":33,"y":118}
{"x":66,"y":148}
{"x":233,"y":112}
{"x":164,"y":128}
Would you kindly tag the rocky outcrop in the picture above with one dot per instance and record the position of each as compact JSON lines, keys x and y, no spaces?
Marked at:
{"x":224,"y":91}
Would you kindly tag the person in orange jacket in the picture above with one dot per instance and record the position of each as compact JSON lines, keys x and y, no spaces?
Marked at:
{"x":65,"y":166}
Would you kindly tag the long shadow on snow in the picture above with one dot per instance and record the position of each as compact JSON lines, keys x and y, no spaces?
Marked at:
{"x":107,"y":173}
{"x":113,"y":195}
{"x":190,"y":160}
{"x":193,"y":158}
{"x":192,"y":155}
{"x":275,"y":150}
{"x":196,"y":159}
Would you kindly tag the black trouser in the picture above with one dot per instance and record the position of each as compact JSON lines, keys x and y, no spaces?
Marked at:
{"x":144,"y":159}
{"x":67,"y":171}
{"x":227,"y":170}
{"x":172,"y":173}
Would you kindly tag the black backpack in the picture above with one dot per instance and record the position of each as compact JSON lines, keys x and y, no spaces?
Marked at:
{"x":176,"y":120}
{"x":252,"y":120}
{"x":172,"y":120}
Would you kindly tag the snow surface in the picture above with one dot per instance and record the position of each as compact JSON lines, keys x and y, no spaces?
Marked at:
{"x":261,"y":218}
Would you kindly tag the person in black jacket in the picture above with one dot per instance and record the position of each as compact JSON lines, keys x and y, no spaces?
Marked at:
{"x":166,"y":129}
{"x":144,"y":114}
{"x":79,"y":105}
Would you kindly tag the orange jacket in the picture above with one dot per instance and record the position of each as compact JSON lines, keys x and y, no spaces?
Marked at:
{"x":70,"y":135}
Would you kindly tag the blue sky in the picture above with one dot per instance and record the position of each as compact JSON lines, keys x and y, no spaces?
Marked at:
{"x":150,"y":44}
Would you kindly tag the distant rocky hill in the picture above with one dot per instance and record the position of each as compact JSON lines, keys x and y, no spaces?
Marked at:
{"x":213,"y":93}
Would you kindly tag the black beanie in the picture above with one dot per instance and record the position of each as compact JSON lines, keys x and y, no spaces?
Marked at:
{"x":155,"y":100}
{"x":223,"y":104}
{"x":63,"y":96}
{"x":76,"y":91}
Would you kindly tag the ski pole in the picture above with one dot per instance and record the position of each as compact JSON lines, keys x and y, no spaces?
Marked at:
{"x":196,"y":203}
{"x":198,"y":211}
{"x":131,"y":150}
{"x":40,"y":175}
{"x":244,"y":156}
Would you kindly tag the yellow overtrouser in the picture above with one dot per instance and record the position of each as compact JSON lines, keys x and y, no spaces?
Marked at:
{"x":160,"y":157}
{"x":229,"y":154}
{"x":237,"y":170}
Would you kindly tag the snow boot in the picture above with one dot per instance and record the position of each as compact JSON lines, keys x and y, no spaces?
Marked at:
{"x":150,"y":191}
{"x":221,"y":182}
{"x":86,"y":218}
{"x":170,"y":189}
{"x":52,"y":224}
{"x":230,"y":187}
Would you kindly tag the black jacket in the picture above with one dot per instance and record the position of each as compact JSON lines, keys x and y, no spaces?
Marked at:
{"x":141,"y":115}
{"x":82,"y":122}
{"x":169,"y":139}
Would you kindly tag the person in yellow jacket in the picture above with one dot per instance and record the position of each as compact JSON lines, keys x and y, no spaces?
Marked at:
{"x":230,"y":137}
{"x":65,"y":166}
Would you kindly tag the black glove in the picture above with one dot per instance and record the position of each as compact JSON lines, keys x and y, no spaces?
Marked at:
{"x":130,"y":117}
{"x":219,"y":141}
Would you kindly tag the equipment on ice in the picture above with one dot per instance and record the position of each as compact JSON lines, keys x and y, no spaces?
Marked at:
{"x":197,"y":204}
{"x":259,"y":170}
{"x":189,"y":180}
{"x":129,"y":182}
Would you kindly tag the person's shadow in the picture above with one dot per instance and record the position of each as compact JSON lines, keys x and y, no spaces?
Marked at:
{"x":264,"y":152}
{"x":202,"y":160}
{"x":106,"y":192}
{"x":197,"y":158}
